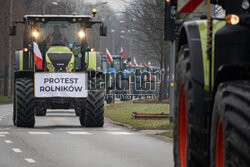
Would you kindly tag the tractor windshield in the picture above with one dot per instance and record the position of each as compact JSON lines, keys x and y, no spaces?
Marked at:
{"x":58,"y":33}
{"x":105,"y":65}
{"x":131,"y":69}
{"x":117,"y":64}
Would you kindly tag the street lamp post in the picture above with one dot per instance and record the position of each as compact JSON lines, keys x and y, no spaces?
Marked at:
{"x":113,"y":46}
{"x":130,"y":32}
{"x":44,"y":6}
{"x":53,"y":3}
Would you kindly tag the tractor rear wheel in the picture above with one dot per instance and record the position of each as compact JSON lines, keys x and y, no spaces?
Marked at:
{"x":24,"y":103}
{"x":41,"y":111}
{"x":94,"y":114}
{"x":229,"y":143}
{"x":190,"y":135}
{"x":14,"y":106}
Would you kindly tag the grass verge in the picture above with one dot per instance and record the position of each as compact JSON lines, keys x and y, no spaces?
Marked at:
{"x":5,"y":100}
{"x":168,"y":133}
{"x":122,"y":112}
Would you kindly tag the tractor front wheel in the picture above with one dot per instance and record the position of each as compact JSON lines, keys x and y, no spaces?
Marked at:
{"x":94,"y":113}
{"x":191,"y":140}
{"x":24,"y":103}
{"x":229,"y":142}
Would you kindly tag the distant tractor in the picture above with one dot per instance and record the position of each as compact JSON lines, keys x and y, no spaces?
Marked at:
{"x":57,"y":70}
{"x":109,"y":72}
{"x":122,"y":77}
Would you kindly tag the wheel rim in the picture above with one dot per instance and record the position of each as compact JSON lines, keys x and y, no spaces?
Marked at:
{"x":219,"y":146}
{"x":182,"y":127}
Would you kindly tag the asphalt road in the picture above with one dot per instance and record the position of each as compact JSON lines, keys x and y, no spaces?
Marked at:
{"x":58,"y":140}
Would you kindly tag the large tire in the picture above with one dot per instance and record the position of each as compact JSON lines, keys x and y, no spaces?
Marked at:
{"x":25,"y":105}
{"x":230,"y":133}
{"x":94,"y":114}
{"x":14,"y":106}
{"x":40,"y":111}
{"x":191,"y":142}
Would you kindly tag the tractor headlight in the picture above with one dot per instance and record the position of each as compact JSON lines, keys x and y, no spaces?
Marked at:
{"x":35,"y":34}
{"x":71,"y":65}
{"x":232,"y":19}
{"x":81,"y":34}
{"x":49,"y":65}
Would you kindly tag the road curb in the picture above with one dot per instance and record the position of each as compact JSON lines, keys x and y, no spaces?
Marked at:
{"x":165,"y":138}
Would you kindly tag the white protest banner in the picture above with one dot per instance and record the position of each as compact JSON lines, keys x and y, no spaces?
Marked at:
{"x":61,"y":85}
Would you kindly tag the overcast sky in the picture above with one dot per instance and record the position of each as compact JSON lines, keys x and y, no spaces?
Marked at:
{"x":115,"y":4}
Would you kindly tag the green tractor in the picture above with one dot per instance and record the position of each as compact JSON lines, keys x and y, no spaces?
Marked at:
{"x":57,"y":70}
{"x":212,"y":85}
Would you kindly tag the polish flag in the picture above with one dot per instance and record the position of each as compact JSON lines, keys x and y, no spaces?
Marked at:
{"x":109,"y":56}
{"x":135,"y":61}
{"x":38,"y":59}
{"x":121,"y":52}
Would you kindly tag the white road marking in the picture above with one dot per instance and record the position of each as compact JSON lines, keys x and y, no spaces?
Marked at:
{"x":65,"y":129}
{"x":8,"y":141}
{"x":39,"y":133}
{"x":79,"y":133}
{"x":2,"y":116}
{"x":17,"y":150}
{"x":4,"y":133}
{"x":120,"y":133}
{"x":30,"y":160}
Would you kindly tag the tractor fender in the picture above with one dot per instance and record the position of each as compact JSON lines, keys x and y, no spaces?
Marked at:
{"x":190,"y":35}
{"x":194,"y":33}
{"x":24,"y":74}
{"x":231,"y":72}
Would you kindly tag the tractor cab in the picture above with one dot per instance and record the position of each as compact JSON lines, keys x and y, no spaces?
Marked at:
{"x":117,"y":62}
{"x":58,"y":40}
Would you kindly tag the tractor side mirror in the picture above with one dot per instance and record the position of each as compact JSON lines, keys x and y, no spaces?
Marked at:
{"x":103,"y":30}
{"x":12,"y":30}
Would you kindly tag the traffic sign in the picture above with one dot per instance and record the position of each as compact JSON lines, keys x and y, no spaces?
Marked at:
{"x":188,"y":6}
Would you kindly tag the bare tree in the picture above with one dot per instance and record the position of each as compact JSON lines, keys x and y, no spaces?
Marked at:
{"x":149,"y":32}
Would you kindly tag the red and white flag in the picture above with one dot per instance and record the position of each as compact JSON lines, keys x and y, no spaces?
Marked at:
{"x":38,"y":58}
{"x":109,"y":56}
{"x":135,"y":61}
{"x":121,"y":52}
